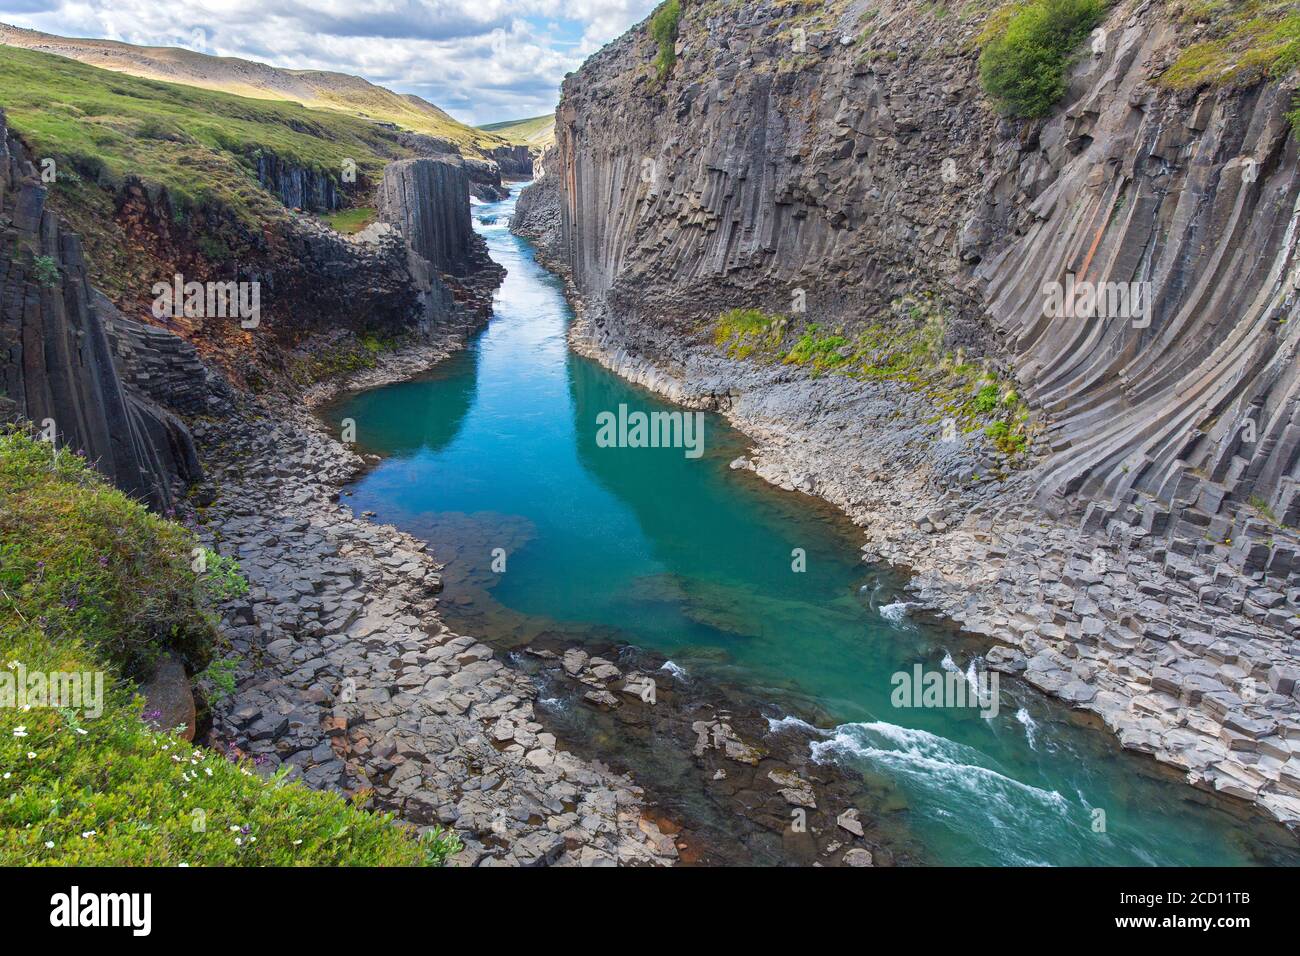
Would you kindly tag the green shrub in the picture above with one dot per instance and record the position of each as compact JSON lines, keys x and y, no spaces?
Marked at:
{"x":1004,"y":439}
{"x":1028,"y":51}
{"x":46,"y":271}
{"x":220,"y":578}
{"x":91,"y":582}
{"x":986,"y":399}
{"x":663,"y":29}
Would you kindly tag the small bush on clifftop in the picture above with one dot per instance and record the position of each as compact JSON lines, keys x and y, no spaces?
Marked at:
{"x":1024,"y":63}
{"x":663,"y":29}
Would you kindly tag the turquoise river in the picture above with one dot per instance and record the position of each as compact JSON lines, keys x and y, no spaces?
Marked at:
{"x":493,"y":458}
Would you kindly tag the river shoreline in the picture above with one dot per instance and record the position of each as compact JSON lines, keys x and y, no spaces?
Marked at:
{"x":346,"y":675}
{"x":478,"y":720}
{"x":1123,"y":636}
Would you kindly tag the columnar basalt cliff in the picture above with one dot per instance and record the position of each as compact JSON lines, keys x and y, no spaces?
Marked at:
{"x":410,"y":197}
{"x":296,"y":186}
{"x":515,"y":162}
{"x":756,"y":170}
{"x":58,"y":357}
{"x":1143,"y":563}
{"x":116,"y":387}
{"x":427,"y":202}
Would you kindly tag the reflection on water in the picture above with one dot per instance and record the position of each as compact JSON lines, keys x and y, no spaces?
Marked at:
{"x":494,"y":458}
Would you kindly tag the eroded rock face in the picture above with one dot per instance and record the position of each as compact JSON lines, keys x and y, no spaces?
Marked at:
{"x":515,"y":162}
{"x":537,"y":217}
{"x":297,"y":187}
{"x":860,"y":169}
{"x":1131,"y":557}
{"x":427,"y":199}
{"x":57,"y":358}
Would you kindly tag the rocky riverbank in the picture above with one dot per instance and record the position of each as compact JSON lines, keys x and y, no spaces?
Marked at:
{"x":1181,"y":661}
{"x":1188,"y":660}
{"x":1140,"y":560}
{"x":345,"y":675}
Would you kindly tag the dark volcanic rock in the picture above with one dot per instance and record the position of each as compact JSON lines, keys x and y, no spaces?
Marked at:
{"x":428,"y":201}
{"x":57,"y":354}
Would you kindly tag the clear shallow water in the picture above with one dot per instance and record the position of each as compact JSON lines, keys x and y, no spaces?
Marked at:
{"x":495,"y":455}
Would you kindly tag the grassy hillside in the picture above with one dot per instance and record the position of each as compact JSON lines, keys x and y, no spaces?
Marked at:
{"x":90,"y":581}
{"x":202,"y":145}
{"x":538,"y":131}
{"x":317,"y":89}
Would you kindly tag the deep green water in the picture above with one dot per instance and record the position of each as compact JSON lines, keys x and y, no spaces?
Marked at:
{"x":497,"y":449}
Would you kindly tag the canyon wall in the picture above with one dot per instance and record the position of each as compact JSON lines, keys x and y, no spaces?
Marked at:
{"x":296,"y":186}
{"x":515,"y":162}
{"x":428,"y":201}
{"x":57,"y":357}
{"x":857,"y":165}
{"x":118,"y":387}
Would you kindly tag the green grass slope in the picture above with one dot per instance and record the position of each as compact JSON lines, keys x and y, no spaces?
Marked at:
{"x":201,"y":144}
{"x":91,"y":581}
{"x":537,"y":131}
{"x":316,"y":89}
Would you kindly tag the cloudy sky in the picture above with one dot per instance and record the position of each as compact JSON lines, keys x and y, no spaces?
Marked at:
{"x":481,"y":60}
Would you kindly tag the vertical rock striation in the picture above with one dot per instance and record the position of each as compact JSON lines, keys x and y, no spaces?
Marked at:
{"x":427,"y":199}
{"x":297,"y":187}
{"x":56,"y":357}
{"x":868,"y":164}
{"x":849,"y":154}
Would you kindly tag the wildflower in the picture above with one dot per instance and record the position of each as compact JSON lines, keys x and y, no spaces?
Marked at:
{"x":31,"y":755}
{"x":87,"y":834}
{"x":20,"y":731}
{"x":49,"y":844}
{"x":208,"y":771}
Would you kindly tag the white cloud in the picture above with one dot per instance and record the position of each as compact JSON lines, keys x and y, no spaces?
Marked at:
{"x":481,"y":60}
